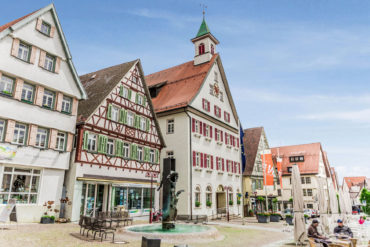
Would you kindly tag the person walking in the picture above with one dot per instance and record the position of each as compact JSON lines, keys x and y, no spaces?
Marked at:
{"x":361,"y":221}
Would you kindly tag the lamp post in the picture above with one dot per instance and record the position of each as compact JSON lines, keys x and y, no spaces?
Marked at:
{"x":151,"y":175}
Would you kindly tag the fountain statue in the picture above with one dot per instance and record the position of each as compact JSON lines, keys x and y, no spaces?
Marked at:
{"x":169,"y":195}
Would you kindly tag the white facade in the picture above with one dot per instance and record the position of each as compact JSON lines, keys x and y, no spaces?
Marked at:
{"x":38,"y":133}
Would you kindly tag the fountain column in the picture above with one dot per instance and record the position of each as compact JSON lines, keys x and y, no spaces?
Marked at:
{"x":168,"y":191}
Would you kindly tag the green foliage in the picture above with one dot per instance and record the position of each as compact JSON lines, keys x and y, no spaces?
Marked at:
{"x":289,"y":216}
{"x":231,"y":202}
{"x":209,"y":203}
{"x":306,"y":216}
{"x":238,"y":202}
{"x":365,"y":196}
{"x":197,"y":204}
{"x":291,"y":199}
{"x":338,"y":204}
{"x":263,"y":214}
{"x":261,"y":199}
{"x":275,"y":214}
{"x":275,"y":200}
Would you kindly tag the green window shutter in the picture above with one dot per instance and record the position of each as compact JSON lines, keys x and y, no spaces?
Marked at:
{"x":121,"y":90}
{"x":138,"y":122}
{"x":118,"y":148}
{"x":100,"y":143}
{"x":147,"y":125}
{"x":133,"y":151}
{"x":109,"y":112}
{"x":86,"y":137}
{"x":129,"y":94}
{"x":120,"y":116}
{"x":144,"y":101}
{"x":124,"y":116}
{"x":156,"y":156}
{"x":136,"y":98}
{"x":105,"y":144}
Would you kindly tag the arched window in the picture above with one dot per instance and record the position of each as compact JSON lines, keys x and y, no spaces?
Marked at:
{"x":212,"y":49}
{"x":231,"y":196}
{"x":201,"y":49}
{"x":197,"y":196}
{"x":209,"y":196}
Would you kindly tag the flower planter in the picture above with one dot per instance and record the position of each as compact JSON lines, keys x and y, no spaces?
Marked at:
{"x":274,"y":218}
{"x":46,"y":220}
{"x":263,"y":218}
{"x":289,"y":220}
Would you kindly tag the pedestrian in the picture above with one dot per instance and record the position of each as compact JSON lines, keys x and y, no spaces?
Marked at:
{"x":313,"y":233}
{"x":342,"y":229}
{"x":361,"y":220}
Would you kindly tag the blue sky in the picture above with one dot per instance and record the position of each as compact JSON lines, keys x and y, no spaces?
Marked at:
{"x":299,"y":68}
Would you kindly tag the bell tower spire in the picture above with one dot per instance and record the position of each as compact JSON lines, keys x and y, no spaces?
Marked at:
{"x":204,"y":43}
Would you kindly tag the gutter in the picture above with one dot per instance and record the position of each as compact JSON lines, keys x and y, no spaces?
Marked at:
{"x":190,"y":170}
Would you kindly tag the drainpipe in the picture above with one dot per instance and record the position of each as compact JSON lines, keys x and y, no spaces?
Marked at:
{"x":191,"y":169}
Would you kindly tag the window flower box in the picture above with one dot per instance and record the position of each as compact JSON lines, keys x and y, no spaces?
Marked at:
{"x":220,"y":172}
{"x":219,"y":143}
{"x":197,"y":135}
{"x":197,"y":168}
{"x":208,"y":139}
{"x":209,"y":170}
{"x":263,"y":218}
{"x":229,"y":146}
{"x":7,"y":93}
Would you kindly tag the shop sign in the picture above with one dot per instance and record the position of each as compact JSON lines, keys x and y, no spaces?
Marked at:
{"x":7,"y":152}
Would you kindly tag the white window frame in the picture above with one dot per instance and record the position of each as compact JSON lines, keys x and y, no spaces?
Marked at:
{"x":49,"y":63}
{"x":2,"y":129}
{"x":91,"y":142}
{"x":126,"y":150}
{"x":143,"y":123}
{"x":115,"y":113}
{"x":218,"y":135}
{"x":41,"y":134}
{"x":45,"y":28}
{"x":308,"y":180}
{"x":66,"y":104}
{"x":110,"y":147}
{"x":19,"y":128}
{"x":24,"y":52}
{"x":140,"y":99}
{"x":207,"y":130}
{"x":27,"y":92}
{"x":125,"y":92}
{"x":219,"y":164}
{"x":170,"y":154}
{"x":170,"y":126}
{"x":46,"y":98}
{"x":208,"y":161}
{"x":6,"y":85}
{"x":61,"y":141}
{"x":197,"y":127}
{"x":197,"y":159}
{"x":130,"y":118}
{"x":152,"y":155}
{"x":140,"y":153}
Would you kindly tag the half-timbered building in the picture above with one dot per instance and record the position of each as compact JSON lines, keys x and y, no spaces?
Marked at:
{"x":118,"y":145}
{"x":39,"y":93}
{"x":200,"y":125}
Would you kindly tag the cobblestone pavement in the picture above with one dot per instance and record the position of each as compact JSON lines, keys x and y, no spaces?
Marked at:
{"x":236,"y":234}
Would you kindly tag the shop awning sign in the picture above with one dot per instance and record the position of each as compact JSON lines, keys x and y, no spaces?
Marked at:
{"x":7,"y":152}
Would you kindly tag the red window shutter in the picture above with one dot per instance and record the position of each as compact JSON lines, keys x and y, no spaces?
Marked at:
{"x":216,"y":134}
{"x":210,"y":131}
{"x":237,"y":142}
{"x":215,"y":109}
{"x":233,"y":140}
{"x":193,"y":124}
{"x":222,"y":136}
{"x":209,"y":106}
{"x":212,"y":162}
{"x":205,"y":160}
{"x":203,"y":104}
{"x":239,"y":168}
{"x":226,"y":139}
{"x":234,"y":167}
{"x":225,"y":116}
{"x":223,"y":164}
{"x":201,"y":159}
{"x":194,"y":158}
{"x":204,"y":129}
{"x":200,"y":127}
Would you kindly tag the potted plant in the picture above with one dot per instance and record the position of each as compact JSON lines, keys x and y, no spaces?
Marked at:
{"x":305,"y":218}
{"x":49,"y":214}
{"x":197,"y":204}
{"x":261,"y":201}
{"x":209,"y":203}
{"x":250,"y":213}
{"x":47,"y":219}
{"x":263,"y":217}
{"x":231,"y":202}
{"x":238,"y":202}
{"x":275,"y":217}
{"x":289,"y":219}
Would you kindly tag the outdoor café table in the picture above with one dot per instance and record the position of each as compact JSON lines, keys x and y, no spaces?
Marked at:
{"x":343,"y":242}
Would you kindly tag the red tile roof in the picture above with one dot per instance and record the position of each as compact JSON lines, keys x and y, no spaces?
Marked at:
{"x":179,"y":84}
{"x":311,"y":153}
{"x":353,"y":181}
{"x":5,"y":26}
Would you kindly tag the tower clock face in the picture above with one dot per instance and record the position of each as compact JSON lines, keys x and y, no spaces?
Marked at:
{"x":216,"y":89}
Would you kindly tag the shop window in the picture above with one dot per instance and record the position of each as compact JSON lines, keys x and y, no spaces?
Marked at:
{"x":134,"y":198}
{"x":146,"y":199}
{"x":21,"y":184}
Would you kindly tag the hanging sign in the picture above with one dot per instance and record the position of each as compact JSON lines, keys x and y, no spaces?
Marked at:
{"x":268,"y":167}
{"x":279,"y":169}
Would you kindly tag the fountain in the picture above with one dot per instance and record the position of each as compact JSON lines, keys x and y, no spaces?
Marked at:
{"x":170,"y":231}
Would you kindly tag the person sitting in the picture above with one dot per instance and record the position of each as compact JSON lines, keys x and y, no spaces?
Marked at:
{"x":313,"y":233}
{"x":342,"y":229}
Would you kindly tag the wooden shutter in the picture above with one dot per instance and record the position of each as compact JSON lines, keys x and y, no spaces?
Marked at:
{"x":57,"y":65}
{"x":120,"y":118}
{"x":194,"y":159}
{"x":129,"y":94}
{"x":226,"y":139}
{"x":42,"y":59}
{"x":33,"y":133}
{"x":38,"y":24}
{"x":216,"y":134}
{"x":121,"y":90}
{"x":52,"y":138}
{"x":136,"y":98}
{"x":201,"y":160}
{"x":210,"y":131}
{"x":15,"y":47}
{"x":18,"y":89}
{"x":223,"y":164}
{"x":200,"y":127}
{"x":59,"y":102}
{"x":211,"y":161}
{"x":157,"y":156}
{"x":222,"y":136}
{"x":33,"y":54}
{"x":85,"y":139}
{"x":9,"y":130}
{"x":69,"y":142}
{"x":124,"y":116}
{"x":217,"y":163}
{"x":215,"y":110}
{"x":74,"y":106}
{"x":237,"y":142}
{"x":204,"y":129}
{"x":109,"y":111}
{"x":193,"y":125}
{"x":117,"y":148}
{"x":39,"y":95}
{"x":52,"y":31}
{"x":227,"y":165}
{"x":209,"y":106}
{"x":147,"y":125}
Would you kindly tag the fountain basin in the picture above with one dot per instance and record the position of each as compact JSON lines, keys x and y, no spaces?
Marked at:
{"x":183,"y":233}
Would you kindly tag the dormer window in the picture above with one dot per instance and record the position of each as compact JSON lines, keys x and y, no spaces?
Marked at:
{"x":201,"y":49}
{"x":45,"y":28}
{"x":212,"y":49}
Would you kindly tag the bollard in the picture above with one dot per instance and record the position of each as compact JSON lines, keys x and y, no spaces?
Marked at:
{"x":150,"y":242}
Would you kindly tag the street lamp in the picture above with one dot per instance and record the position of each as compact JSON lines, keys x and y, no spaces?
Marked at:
{"x":227,"y":201}
{"x":151,"y":175}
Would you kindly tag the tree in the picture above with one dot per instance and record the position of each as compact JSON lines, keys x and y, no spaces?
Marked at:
{"x":365,"y":196}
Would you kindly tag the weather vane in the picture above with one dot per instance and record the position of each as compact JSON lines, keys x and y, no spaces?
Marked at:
{"x":204,"y":9}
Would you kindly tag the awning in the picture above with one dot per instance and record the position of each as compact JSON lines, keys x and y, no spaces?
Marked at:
{"x":116,"y":180}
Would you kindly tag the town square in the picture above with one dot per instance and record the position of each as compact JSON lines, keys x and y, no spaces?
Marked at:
{"x":185,"y":123}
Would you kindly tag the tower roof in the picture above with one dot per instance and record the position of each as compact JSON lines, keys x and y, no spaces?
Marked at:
{"x":203,"y":29}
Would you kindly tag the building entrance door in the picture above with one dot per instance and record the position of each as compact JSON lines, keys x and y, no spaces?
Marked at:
{"x":221,"y":200}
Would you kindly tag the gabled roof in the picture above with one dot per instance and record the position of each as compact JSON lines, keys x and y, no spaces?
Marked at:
{"x":251,"y":142}
{"x":179,"y":85}
{"x":311,"y":154}
{"x":203,"y":29}
{"x":354,"y":181}
{"x":98,"y":85}
{"x":20,"y":22}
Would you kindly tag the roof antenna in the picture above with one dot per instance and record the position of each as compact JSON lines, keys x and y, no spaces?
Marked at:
{"x":204,"y":9}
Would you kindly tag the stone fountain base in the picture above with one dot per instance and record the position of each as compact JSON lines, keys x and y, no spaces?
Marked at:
{"x":183,"y":233}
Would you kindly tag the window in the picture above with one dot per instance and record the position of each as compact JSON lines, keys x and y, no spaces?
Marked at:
{"x":279,"y":192}
{"x":296,"y":158}
{"x":27,"y":92}
{"x":308,"y":180}
{"x":6,"y":85}
{"x":197,"y":194}
{"x":125,"y":92}
{"x":19,"y":136}
{"x":24,"y":52}
{"x":209,"y":196}
{"x":152,"y":156}
{"x":309,"y":192}
{"x":303,"y":180}
{"x":208,"y":161}
{"x":140,"y":153}
{"x":227,"y":139}
{"x":45,"y":28}
{"x":216,"y":76}
{"x":217,"y":111}
{"x":310,"y":205}
{"x":170,"y":154}
{"x":126,"y":150}
{"x":219,"y":164}
{"x":130,"y":118}
{"x":48,"y":99}
{"x":227,"y":117}
{"x":66,"y":104}
{"x":110,"y":147}
{"x":61,"y":141}
{"x":139,"y":99}
{"x":91,"y":142}
{"x":21,"y":184}
{"x":2,"y":129}
{"x":196,"y":126}
{"x":197,"y":159}
{"x":304,"y":192}
{"x":206,"y":130}
{"x":49,"y":63}
{"x":201,"y":49}
{"x":290,"y":170}
{"x":206,"y":105}
{"x":134,"y":79}
{"x":212,"y":49}
{"x":114,"y":113}
{"x":143,"y":124}
{"x":170,"y":126}
{"x":41,"y":138}
{"x":218,"y":135}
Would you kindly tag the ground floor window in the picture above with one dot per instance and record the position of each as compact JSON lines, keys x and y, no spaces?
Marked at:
{"x":21,"y":184}
{"x":310,"y":205}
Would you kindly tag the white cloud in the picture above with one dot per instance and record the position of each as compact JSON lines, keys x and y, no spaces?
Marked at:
{"x":362,"y":116}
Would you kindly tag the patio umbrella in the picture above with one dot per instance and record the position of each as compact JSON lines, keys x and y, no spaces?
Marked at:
{"x":297,"y":193}
{"x":347,"y":201}
{"x":342,"y":205}
{"x":323,"y":205}
{"x":333,"y":206}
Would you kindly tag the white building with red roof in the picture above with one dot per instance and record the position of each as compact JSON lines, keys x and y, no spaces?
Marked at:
{"x":200,"y":126}
{"x":39,"y":93}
